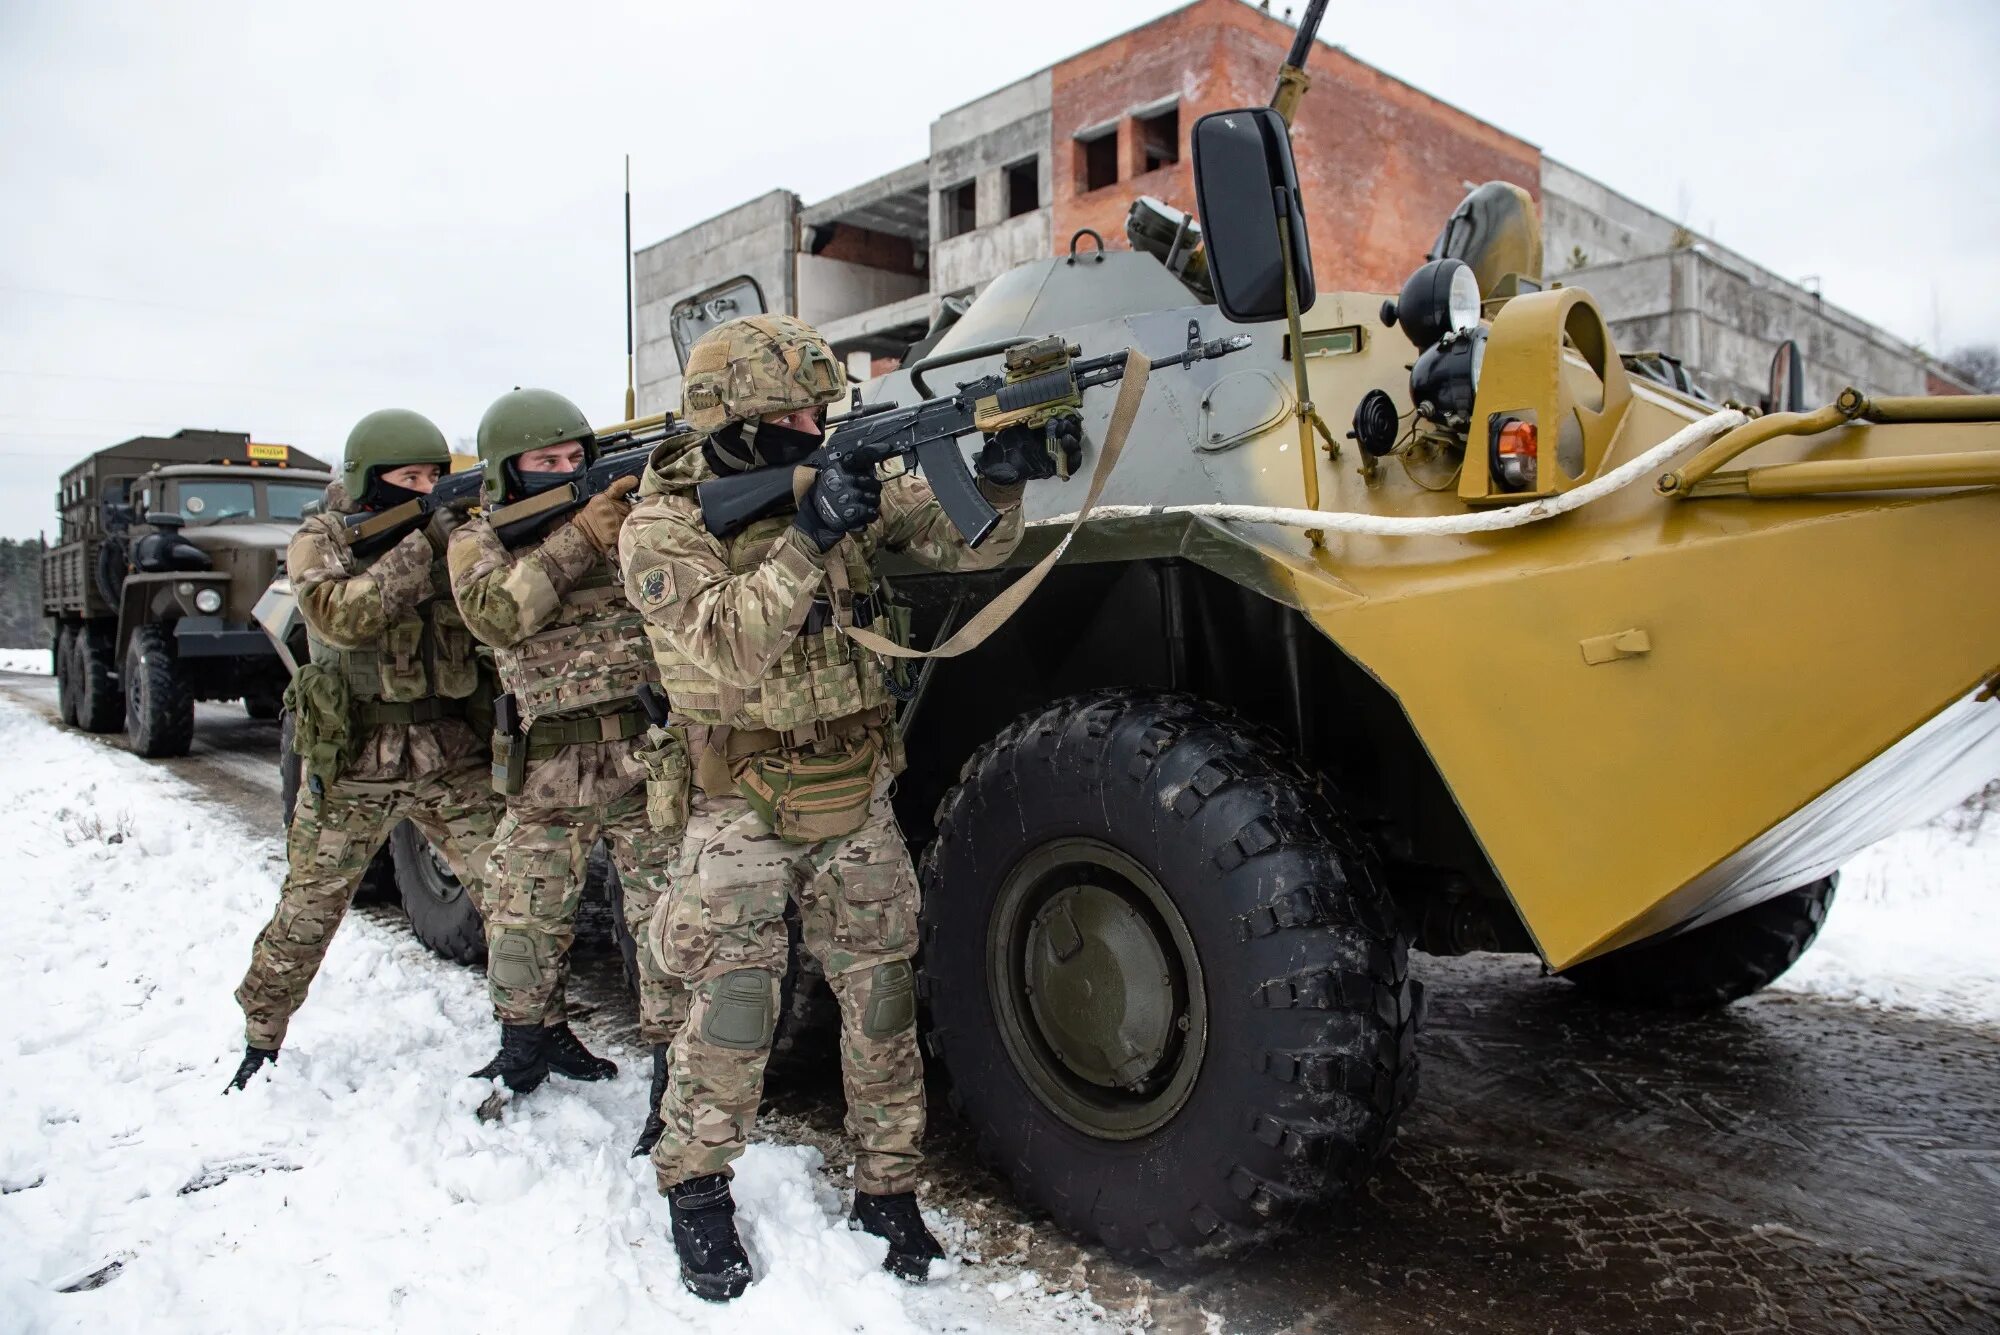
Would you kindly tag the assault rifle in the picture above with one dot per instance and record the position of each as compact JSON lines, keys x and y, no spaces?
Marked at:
{"x":1042,"y":377}
{"x":622,"y":451}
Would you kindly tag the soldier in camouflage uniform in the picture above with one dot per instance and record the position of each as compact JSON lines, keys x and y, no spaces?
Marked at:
{"x":379,"y":716}
{"x":570,"y":653}
{"x":793,"y":742}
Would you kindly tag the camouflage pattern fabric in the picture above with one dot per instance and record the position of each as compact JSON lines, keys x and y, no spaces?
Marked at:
{"x":857,"y":899}
{"x":538,"y":869}
{"x":332,"y":840}
{"x":724,"y":616}
{"x":360,"y":613}
{"x":746,"y":368}
{"x":567,"y":646}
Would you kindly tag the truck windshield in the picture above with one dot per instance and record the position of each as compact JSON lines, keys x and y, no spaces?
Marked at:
{"x":287,"y":500}
{"x":210,"y":502}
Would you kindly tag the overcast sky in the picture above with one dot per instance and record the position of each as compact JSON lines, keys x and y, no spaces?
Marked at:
{"x":275,"y":217}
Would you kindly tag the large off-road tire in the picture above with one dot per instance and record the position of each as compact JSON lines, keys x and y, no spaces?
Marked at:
{"x":442,"y":915}
{"x":159,"y":710}
{"x":379,"y":882}
{"x":1168,"y":988}
{"x":62,"y":655}
{"x":100,"y":705}
{"x":1714,"y":964}
{"x":263,"y":707}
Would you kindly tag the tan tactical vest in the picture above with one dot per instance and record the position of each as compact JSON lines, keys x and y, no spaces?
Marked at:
{"x":820,"y":677}
{"x":594,"y":653}
{"x":425,"y":653}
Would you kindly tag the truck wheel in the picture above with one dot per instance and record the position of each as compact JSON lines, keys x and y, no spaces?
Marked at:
{"x":1168,"y":988}
{"x":1716,"y":963}
{"x":442,"y":914}
{"x":262,"y":707}
{"x":159,"y":712}
{"x":62,"y":655}
{"x":100,"y":706}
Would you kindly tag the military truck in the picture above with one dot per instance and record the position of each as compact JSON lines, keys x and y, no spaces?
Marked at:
{"x":165,"y":545}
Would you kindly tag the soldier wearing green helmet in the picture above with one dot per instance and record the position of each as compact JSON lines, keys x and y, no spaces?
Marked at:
{"x":569,"y":739}
{"x":379,"y":717}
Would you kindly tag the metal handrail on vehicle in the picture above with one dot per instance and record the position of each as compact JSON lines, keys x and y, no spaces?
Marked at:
{"x":1967,"y":469}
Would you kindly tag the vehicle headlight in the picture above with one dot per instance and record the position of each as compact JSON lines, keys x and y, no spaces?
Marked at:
{"x":208,"y":600}
{"x":1439,"y":299}
{"x":1445,"y":380}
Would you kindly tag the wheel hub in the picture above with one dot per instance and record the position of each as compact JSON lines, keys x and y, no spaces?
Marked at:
{"x":1100,"y":986}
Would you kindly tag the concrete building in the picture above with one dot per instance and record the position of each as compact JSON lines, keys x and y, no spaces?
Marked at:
{"x":1029,"y":169}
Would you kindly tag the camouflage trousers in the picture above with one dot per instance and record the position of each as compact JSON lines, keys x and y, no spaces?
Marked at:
{"x":333,"y":838}
{"x":538,"y":869}
{"x":724,"y":934}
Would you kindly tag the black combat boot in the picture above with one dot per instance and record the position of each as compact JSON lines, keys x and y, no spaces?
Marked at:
{"x":713,"y":1266}
{"x":253,"y":1062}
{"x":896,"y":1220}
{"x":566,"y":1055}
{"x":649,"y":1134}
{"x":520,"y":1062}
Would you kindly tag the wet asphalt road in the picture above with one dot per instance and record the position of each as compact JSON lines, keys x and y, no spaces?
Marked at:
{"x":1788,"y":1164}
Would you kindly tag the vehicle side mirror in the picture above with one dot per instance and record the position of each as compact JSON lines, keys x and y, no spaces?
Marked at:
{"x":1246,"y":189}
{"x":117,"y":515}
{"x":1787,"y":393}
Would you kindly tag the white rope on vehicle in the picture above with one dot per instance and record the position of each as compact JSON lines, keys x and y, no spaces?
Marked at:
{"x":1690,"y":437}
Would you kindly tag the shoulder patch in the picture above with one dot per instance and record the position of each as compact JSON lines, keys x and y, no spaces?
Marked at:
{"x":655,"y":587}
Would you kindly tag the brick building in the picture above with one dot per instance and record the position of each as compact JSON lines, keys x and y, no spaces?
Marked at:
{"x":1016,"y":174}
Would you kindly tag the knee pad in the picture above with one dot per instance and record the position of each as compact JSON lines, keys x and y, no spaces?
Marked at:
{"x":892,"y":999}
{"x":511,"y":961}
{"x":742,"y":1010}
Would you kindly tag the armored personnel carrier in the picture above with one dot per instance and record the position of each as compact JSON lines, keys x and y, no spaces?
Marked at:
{"x":165,"y":545}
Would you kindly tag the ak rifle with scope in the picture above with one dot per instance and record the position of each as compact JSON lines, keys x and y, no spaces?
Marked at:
{"x":621,"y":451}
{"x":1041,"y":379}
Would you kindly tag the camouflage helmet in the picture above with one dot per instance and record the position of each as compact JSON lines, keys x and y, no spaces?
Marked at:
{"x":390,"y":438}
{"x":753,"y":367}
{"x":522,"y":420}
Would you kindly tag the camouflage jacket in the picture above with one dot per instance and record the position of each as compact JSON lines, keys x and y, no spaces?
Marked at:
{"x":384,"y":624}
{"x":728,"y":618}
{"x":566,"y":645}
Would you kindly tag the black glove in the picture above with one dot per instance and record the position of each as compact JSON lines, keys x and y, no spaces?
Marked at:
{"x":841,"y":501}
{"x":1017,"y":454}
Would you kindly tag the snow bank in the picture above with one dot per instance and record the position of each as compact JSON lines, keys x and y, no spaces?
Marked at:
{"x":355,"y":1190}
{"x":25,"y":660}
{"x":1915,"y":925}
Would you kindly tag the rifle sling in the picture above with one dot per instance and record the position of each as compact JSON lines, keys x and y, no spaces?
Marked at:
{"x":995,"y":614}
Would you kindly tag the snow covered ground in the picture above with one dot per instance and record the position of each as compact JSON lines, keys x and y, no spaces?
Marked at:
{"x":1916,"y":925}
{"x":25,"y":660}
{"x":356,"y":1190}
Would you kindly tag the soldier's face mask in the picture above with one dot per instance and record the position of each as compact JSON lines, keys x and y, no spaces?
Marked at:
{"x":786,"y":439}
{"x":382,"y":494}
{"x":545,"y":469}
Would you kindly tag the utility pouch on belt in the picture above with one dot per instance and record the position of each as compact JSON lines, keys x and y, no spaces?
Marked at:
{"x":805,"y":796}
{"x":510,"y":748}
{"x":665,"y":756}
{"x":323,"y":733}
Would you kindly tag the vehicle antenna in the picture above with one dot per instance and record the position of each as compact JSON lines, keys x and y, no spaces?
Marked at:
{"x":1292,"y":77}
{"x":631,"y":386}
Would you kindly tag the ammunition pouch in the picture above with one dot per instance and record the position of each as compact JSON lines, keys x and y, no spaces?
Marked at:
{"x":323,"y":723}
{"x":804,"y":796}
{"x":510,"y":763}
{"x":668,"y":776}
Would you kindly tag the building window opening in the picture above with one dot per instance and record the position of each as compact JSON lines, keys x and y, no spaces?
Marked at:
{"x":1097,"y":162}
{"x":961,"y":209}
{"x":1024,"y":187}
{"x":1160,"y":138}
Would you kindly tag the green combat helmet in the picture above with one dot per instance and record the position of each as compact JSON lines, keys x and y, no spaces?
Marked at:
{"x":390,"y":438}
{"x":523,"y":420}
{"x":761,"y":364}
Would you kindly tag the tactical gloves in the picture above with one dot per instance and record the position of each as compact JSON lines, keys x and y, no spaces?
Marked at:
{"x":1018,"y":454}
{"x":442,"y":521}
{"x":841,"y":500}
{"x":604,"y":514}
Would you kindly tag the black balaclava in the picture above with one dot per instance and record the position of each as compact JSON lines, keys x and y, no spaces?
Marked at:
{"x":741,"y":446}
{"x":520,"y":486}
{"x":383,"y":494}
